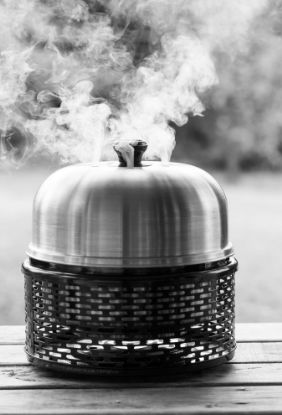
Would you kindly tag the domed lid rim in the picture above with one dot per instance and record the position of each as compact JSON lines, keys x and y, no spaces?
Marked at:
{"x":130,"y":262}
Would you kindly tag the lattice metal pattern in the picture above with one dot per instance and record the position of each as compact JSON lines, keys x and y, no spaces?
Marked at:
{"x":120,"y":325}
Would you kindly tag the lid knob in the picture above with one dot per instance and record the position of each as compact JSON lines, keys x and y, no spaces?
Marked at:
{"x":130,"y":153}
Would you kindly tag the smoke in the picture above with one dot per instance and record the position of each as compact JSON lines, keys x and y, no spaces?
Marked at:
{"x":78,"y":75}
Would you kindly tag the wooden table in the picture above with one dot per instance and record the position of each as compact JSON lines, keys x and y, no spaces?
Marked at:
{"x":250,"y":384}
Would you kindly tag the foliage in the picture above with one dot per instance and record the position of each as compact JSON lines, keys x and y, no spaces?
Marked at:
{"x":243,"y":128}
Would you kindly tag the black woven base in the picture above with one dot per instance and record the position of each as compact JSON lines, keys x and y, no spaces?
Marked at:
{"x":129,"y":324}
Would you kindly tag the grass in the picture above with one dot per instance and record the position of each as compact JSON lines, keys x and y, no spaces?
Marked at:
{"x":255,"y":218}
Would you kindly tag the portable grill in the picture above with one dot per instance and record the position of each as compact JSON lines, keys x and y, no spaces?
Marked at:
{"x":130,"y":270}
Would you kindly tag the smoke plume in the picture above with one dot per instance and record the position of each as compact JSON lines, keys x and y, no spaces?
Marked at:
{"x":78,"y":75}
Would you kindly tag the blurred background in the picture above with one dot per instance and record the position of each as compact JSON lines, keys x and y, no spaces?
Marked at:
{"x":238,"y":140}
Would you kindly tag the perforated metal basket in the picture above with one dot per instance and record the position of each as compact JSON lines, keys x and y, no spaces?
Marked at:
{"x":86,"y":322}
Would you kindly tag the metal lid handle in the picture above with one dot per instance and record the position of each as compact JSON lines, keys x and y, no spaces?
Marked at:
{"x":130,"y":158}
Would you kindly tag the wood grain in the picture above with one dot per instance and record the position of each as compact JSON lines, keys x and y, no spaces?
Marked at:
{"x":12,"y":334}
{"x":268,"y":352}
{"x":166,"y":401}
{"x":254,"y":332}
{"x":27,"y":377}
{"x":12,"y":354}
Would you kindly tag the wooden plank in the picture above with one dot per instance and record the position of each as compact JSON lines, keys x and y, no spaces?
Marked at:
{"x":12,"y":354}
{"x":268,"y":352}
{"x":245,"y":332}
{"x":28,"y":377}
{"x":249,"y":332}
{"x":12,"y":334}
{"x":258,"y":353}
{"x":245,"y":353}
{"x":155,"y":401}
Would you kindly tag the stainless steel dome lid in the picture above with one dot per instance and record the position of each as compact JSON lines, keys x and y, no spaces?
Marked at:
{"x":109,"y":216}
